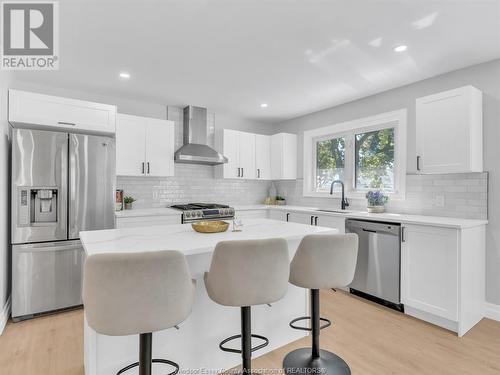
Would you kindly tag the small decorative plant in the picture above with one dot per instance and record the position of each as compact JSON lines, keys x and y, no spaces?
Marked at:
{"x":128,"y":202}
{"x":376,"y":201}
{"x":280,"y":201}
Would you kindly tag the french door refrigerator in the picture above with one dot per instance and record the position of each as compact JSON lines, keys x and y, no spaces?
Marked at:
{"x":62,"y":183}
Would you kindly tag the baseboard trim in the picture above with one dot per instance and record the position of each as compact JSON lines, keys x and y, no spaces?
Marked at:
{"x":4,"y":317}
{"x":492,"y":311}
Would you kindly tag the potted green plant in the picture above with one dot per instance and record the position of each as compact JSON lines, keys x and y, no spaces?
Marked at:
{"x":280,"y":201}
{"x":376,"y":201}
{"x":128,"y":202}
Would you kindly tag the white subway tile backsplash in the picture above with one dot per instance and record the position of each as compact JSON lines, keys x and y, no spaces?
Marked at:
{"x":465,"y":196}
{"x":192,"y":183}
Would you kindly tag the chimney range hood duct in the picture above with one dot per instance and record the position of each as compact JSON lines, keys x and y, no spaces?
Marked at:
{"x":195,"y":149}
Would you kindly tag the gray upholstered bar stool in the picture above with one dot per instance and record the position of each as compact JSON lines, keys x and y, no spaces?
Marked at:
{"x":137,"y":293}
{"x":321,"y":261}
{"x":244,"y":274}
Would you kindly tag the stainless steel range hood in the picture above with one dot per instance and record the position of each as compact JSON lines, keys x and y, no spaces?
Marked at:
{"x":196,"y":149}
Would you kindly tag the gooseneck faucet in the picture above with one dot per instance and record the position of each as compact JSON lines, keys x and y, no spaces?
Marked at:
{"x":343,"y":203}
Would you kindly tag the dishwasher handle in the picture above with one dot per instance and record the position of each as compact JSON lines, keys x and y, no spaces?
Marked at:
{"x":353,"y":225}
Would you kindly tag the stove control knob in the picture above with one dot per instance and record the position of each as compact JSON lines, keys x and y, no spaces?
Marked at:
{"x":200,"y":214}
{"x":188,"y":214}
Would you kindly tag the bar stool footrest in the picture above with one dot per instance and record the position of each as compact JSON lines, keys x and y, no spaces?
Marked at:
{"x":231,"y":338}
{"x":327,"y":323}
{"x":155,"y":360}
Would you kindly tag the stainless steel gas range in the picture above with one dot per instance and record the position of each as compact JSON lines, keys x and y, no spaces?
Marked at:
{"x":192,"y":212}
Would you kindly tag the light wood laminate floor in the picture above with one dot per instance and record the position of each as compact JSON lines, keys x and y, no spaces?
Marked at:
{"x":371,"y":338}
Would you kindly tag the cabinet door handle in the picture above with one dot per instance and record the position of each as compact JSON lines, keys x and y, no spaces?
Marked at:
{"x":258,"y":173}
{"x":148,"y":167}
{"x":287,"y":216}
{"x":312,"y":219}
{"x":66,"y":123}
{"x":142,"y":167}
{"x":239,"y":172}
{"x":418,"y":163}
{"x":403,"y":239}
{"x":316,"y":221}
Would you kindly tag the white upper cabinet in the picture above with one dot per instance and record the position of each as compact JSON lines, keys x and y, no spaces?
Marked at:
{"x":130,"y":145}
{"x":53,"y":112}
{"x":239,"y":148}
{"x":284,"y":156}
{"x":160,"y":141}
{"x":230,"y":140}
{"x":262,"y":157}
{"x":449,"y":131}
{"x":257,"y":157}
{"x":246,"y":147}
{"x":144,"y":146}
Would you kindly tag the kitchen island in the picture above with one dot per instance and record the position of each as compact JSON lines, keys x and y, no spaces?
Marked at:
{"x":196,"y":344}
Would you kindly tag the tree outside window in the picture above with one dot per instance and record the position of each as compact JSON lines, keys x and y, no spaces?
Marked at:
{"x":374,"y":153}
{"x":330,"y":162}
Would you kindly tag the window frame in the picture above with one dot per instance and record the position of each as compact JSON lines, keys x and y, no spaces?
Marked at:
{"x":394,"y":119}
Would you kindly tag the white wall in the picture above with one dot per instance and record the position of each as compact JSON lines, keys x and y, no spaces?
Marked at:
{"x":5,"y":78}
{"x":485,"y":77}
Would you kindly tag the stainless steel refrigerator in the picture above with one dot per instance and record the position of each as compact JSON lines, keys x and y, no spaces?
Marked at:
{"x":62,"y":184}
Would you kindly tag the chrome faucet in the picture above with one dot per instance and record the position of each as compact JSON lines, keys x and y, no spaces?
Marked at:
{"x":343,"y":203}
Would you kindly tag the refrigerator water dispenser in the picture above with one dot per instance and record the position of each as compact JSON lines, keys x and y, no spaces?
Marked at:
{"x":37,"y":206}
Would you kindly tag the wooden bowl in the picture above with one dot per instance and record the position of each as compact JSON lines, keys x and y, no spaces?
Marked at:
{"x":210,"y":226}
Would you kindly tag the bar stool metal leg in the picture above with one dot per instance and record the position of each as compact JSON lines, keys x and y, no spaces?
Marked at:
{"x":146,"y":360}
{"x":145,"y":353}
{"x":314,"y":360}
{"x":246,"y":340}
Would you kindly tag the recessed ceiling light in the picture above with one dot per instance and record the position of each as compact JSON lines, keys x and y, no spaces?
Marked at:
{"x":124,"y":75}
{"x":263,"y":105}
{"x":400,"y":48}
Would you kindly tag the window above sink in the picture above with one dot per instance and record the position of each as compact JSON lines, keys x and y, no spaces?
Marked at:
{"x":366,"y":154}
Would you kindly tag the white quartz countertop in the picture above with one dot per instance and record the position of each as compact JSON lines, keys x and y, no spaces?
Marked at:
{"x":183,"y":238}
{"x":439,"y":221}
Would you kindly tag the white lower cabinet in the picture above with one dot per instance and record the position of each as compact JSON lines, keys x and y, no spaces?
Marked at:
{"x":443,"y":275}
{"x":331,"y":222}
{"x":146,"y":221}
{"x":327,"y":221}
{"x":278,"y":215}
{"x":302,"y":218}
{"x":251,"y":214}
{"x":429,"y":270}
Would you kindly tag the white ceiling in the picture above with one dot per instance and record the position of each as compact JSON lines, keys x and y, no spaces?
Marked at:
{"x":298,"y":56}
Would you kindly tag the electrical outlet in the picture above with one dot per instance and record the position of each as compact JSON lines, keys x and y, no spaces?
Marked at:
{"x":439,"y":201}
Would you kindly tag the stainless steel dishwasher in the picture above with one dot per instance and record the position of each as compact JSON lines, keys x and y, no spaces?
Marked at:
{"x":377,"y":275}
